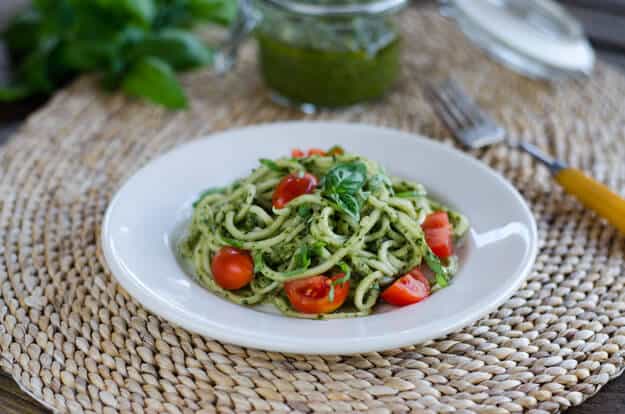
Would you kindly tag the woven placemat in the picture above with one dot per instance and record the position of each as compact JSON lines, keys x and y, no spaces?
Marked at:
{"x":73,"y":339}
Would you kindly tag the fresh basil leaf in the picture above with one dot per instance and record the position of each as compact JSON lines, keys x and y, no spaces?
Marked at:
{"x":36,"y":70}
{"x":304,"y":211}
{"x":84,"y":55}
{"x":349,"y":204}
{"x":302,"y":258}
{"x":441,"y":280}
{"x":217,"y":11}
{"x":345,"y":178}
{"x":271,"y":165}
{"x":346,"y":270}
{"x":433,"y":262}
{"x":182,"y":50}
{"x":316,"y":247}
{"x":206,"y":193}
{"x":233,"y":242}
{"x":153,"y":79}
{"x":343,"y":183}
{"x":142,"y":11}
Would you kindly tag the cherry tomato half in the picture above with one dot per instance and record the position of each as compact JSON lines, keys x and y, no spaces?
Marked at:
{"x":293,"y":186}
{"x":297,"y":153}
{"x":438,"y":234}
{"x":310,"y":295}
{"x":232,"y":268}
{"x":316,"y":151}
{"x":411,"y":288}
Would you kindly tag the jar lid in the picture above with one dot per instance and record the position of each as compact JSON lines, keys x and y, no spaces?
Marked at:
{"x":339,"y":7}
{"x":537,"y":38}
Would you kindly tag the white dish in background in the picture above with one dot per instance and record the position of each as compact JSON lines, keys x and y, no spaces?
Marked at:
{"x":144,"y":219}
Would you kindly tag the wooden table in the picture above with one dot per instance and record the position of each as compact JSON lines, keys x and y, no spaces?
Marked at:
{"x":608,"y":34}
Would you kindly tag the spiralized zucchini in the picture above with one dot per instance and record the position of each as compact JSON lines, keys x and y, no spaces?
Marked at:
{"x":375,"y":236}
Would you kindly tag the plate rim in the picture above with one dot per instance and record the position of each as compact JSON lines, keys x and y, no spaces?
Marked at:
{"x":402,"y":339}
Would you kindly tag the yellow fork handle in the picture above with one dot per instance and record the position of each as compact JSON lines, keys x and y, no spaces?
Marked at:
{"x":593,"y":195}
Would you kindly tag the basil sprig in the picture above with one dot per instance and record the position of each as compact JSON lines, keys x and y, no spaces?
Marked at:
{"x":343,"y":185}
{"x":135,"y":45}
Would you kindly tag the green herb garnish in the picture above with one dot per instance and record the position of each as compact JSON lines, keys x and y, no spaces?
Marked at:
{"x":316,"y":247}
{"x":304,"y":211}
{"x":272,"y":165}
{"x":135,"y":45}
{"x":257,"y":257}
{"x":302,"y":258}
{"x":343,"y":184}
{"x":441,"y":280}
{"x":347,"y":275}
{"x":434,"y":263}
{"x":233,"y":242}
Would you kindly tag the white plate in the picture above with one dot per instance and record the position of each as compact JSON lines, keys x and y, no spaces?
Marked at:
{"x":144,"y":218}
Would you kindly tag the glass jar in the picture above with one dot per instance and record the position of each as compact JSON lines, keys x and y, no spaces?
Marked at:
{"x":328,"y":53}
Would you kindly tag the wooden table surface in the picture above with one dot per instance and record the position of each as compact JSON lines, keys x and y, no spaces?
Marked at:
{"x":604,"y":21}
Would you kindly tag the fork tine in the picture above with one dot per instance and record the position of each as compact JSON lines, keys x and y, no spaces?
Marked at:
{"x":450,"y":114}
{"x":463,"y":116}
{"x":452,"y":108}
{"x":464,"y":102}
{"x":448,"y":120}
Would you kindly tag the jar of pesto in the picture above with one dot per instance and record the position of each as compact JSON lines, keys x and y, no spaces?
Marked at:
{"x":322,"y":53}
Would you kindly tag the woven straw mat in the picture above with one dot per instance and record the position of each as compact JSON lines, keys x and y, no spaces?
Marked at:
{"x":74,"y":340}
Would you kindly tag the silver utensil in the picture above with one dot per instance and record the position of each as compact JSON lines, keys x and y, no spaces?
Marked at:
{"x":475,"y":129}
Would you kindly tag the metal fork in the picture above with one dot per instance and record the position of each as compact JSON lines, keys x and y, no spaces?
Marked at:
{"x":475,"y":129}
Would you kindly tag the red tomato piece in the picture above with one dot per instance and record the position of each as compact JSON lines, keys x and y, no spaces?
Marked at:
{"x":297,"y":153}
{"x":440,"y":242}
{"x":436,"y":220}
{"x":232,"y":268}
{"x":293,"y":186}
{"x":438,"y":234}
{"x":316,"y":151}
{"x":310,"y":295}
{"x":411,"y":288}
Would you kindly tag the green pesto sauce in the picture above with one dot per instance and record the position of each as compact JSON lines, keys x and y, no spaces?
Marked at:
{"x":324,"y":77}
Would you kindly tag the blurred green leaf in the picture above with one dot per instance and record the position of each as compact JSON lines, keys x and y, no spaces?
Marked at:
{"x":142,"y":11}
{"x":35,"y":68}
{"x":121,"y":40}
{"x":217,"y":11}
{"x":22,"y":33}
{"x":153,"y":79}
{"x":13,"y":93}
{"x":180,"y":49}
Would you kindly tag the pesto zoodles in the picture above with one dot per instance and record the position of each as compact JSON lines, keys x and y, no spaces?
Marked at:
{"x":273,"y":236}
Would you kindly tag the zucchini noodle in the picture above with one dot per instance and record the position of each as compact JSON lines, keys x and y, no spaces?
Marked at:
{"x":372,"y":236}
